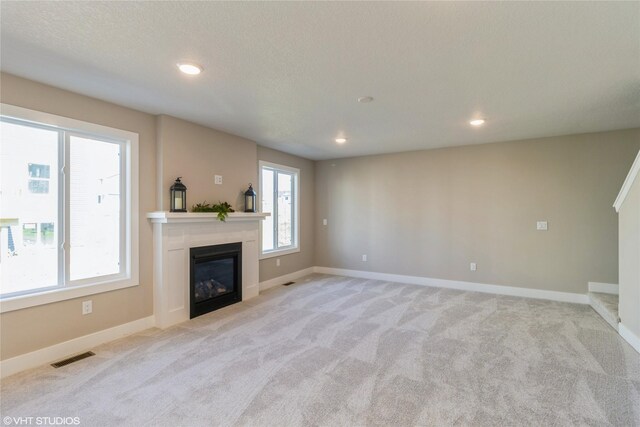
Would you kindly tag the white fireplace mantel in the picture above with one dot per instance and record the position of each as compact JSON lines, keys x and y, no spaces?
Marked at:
{"x":174,"y":234}
{"x":165,"y":217}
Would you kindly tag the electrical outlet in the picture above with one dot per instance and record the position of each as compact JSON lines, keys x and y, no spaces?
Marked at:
{"x":277,"y":262}
{"x":473,"y":266}
{"x":218,"y":179}
{"x":364,"y":258}
{"x":542,"y":226}
{"x":87,"y":307}
{"x":324,"y":221}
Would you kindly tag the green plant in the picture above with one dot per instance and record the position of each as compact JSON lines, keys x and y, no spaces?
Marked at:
{"x":222,"y":208}
{"x":202,"y":207}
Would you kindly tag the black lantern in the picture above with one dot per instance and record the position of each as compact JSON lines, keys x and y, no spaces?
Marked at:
{"x":178,"y":196}
{"x":250,"y":200}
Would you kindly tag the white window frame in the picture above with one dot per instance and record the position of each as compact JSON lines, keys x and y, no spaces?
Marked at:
{"x":129,"y":250}
{"x":295,"y":246}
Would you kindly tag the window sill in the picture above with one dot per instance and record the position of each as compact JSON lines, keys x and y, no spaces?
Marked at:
{"x":61,"y":294}
{"x":273,"y":254}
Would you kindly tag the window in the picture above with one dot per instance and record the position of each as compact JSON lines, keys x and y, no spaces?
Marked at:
{"x":279,"y":197}
{"x":39,"y":185}
{"x":68,"y":208}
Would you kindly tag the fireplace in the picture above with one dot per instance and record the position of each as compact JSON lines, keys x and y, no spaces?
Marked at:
{"x":216,"y":277}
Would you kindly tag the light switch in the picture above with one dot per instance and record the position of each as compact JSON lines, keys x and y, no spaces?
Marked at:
{"x":218,"y":179}
{"x":542,"y":226}
{"x":324,"y":221}
{"x":473,"y":266}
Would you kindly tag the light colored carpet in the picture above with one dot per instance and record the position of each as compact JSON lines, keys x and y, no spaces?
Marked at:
{"x":338,"y":351}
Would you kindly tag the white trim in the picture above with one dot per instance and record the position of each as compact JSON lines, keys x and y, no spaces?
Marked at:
{"x":133,"y":213}
{"x":285,"y":278}
{"x":598,"y":307}
{"x":164,"y":217}
{"x":285,"y":168}
{"x":629,"y":337}
{"x":628,"y":183}
{"x":74,"y":346}
{"x":278,"y":252}
{"x":603,"y":288}
{"x":464,"y":286}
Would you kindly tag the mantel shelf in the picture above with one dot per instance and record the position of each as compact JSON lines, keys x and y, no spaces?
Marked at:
{"x":164,"y":217}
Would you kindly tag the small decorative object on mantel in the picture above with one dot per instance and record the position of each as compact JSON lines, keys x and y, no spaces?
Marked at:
{"x":178,"y":194}
{"x":222,"y":208}
{"x":250,"y":200}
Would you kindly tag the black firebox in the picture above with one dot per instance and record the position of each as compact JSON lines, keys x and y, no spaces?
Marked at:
{"x":216,"y":277}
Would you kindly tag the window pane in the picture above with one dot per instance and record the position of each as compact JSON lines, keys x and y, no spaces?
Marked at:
{"x":39,"y":186}
{"x":47,"y":232}
{"x":94,"y":208}
{"x":285,"y":209}
{"x":29,"y":234}
{"x":26,"y":262}
{"x":267,"y":206}
{"x":39,"y":171}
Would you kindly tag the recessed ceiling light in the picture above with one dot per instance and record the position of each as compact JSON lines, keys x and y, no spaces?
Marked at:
{"x":341,"y":140}
{"x":365,"y":99}
{"x":476,"y":122}
{"x":191,"y":69}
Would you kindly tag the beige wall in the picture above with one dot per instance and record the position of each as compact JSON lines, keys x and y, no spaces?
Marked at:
{"x":197,"y":153}
{"x":304,"y":258}
{"x":425,"y":213}
{"x":629,"y":226}
{"x":33,"y":328}
{"x":431,"y":213}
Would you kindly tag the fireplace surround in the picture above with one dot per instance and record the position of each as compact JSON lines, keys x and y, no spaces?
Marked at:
{"x":174,"y":234}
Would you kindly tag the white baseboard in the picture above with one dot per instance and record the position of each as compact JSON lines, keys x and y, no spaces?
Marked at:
{"x":610,"y":318}
{"x":285,"y":278}
{"x":629,"y":337}
{"x":603,"y":288}
{"x":71,"y":347}
{"x":464,"y":286}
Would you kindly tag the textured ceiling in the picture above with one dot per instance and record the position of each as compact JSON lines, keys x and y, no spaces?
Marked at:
{"x":287,"y":74}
